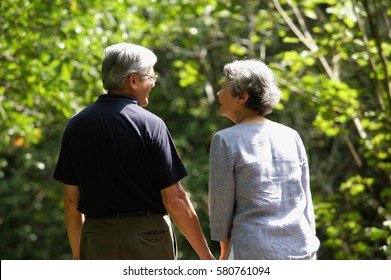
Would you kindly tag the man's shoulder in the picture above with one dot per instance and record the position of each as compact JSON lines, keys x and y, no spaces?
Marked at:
{"x":142,"y":114}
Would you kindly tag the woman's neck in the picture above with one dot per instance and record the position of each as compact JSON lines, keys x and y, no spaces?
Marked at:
{"x":250,"y":118}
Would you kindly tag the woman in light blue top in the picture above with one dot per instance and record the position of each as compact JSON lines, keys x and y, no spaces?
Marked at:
{"x":259,"y":193}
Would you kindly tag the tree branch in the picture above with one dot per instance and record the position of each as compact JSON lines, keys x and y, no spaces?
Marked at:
{"x":306,"y":40}
{"x":372,"y":20}
{"x":361,"y":26}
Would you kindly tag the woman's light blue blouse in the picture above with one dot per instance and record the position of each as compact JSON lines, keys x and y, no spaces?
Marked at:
{"x":259,"y":192}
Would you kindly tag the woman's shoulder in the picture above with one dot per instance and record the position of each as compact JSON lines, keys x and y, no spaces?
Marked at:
{"x":282,"y":128}
{"x":230,"y":132}
{"x":267,"y":129}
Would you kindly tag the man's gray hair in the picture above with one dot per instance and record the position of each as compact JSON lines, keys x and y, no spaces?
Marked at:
{"x":123,"y":59}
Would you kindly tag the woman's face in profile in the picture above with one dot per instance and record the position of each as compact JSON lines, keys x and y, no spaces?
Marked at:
{"x":228,"y":102}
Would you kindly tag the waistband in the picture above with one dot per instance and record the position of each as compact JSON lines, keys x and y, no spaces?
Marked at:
{"x":120,"y":214}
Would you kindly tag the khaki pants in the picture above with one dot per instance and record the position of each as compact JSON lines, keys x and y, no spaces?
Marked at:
{"x":128,"y":238}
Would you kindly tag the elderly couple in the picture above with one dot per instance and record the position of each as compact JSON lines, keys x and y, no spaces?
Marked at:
{"x":121,"y":172}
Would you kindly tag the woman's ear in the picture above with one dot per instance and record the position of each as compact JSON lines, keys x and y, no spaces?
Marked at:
{"x":243,"y":98}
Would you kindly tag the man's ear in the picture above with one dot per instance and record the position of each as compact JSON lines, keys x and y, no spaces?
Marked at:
{"x":131,"y":80}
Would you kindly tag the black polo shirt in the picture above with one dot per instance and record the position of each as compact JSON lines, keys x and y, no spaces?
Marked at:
{"x":119,"y":155}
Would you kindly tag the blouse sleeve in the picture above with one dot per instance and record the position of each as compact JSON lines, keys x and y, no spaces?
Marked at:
{"x":221,"y":189}
{"x":305,"y":181}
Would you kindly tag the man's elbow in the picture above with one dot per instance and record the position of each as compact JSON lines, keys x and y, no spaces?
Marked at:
{"x":174,"y":203}
{"x":71,"y":196}
{"x":70,"y":202}
{"x":175,"y":199}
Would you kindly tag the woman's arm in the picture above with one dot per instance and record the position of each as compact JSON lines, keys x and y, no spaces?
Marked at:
{"x":224,"y":249}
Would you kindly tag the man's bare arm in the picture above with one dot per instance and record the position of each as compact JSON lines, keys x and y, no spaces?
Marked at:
{"x":184,"y":216}
{"x":73,"y":218}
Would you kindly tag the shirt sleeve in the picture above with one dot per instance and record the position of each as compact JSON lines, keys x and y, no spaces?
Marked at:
{"x":167,"y":165}
{"x":221,"y":189}
{"x":64,"y":171}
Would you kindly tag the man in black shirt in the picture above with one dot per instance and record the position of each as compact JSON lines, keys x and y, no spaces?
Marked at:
{"x":121,"y":171}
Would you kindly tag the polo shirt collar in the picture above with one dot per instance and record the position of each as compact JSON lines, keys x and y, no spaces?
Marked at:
{"x":111,"y":96}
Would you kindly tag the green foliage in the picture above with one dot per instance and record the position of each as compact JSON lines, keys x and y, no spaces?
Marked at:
{"x":350,"y":234}
{"x":331,"y":59}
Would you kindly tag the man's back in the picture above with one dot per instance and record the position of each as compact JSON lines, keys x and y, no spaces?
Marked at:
{"x":113,"y":146}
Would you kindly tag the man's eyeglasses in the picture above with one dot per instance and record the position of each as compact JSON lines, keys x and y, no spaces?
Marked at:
{"x":152,"y":78}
